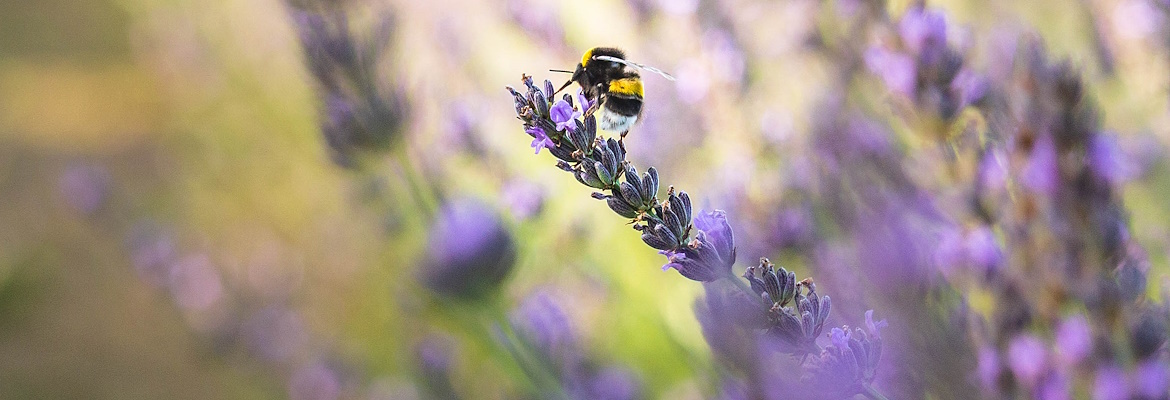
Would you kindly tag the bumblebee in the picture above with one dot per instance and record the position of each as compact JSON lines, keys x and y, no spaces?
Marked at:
{"x":613,"y":85}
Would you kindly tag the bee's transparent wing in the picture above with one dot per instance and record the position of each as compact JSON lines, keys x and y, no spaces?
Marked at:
{"x":635,"y":65}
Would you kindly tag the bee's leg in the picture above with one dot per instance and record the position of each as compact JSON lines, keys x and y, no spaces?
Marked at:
{"x":596,"y":105}
{"x":592,"y":109}
{"x":621,"y":140}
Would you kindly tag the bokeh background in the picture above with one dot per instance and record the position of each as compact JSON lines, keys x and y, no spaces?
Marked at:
{"x":176,"y":220}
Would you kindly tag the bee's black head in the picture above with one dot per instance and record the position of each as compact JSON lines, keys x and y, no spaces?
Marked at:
{"x":590,"y":72}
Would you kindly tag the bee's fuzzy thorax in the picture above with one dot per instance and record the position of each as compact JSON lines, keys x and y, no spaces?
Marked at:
{"x":631,"y":86}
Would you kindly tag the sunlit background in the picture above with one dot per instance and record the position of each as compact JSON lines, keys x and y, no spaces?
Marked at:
{"x":185,"y":213}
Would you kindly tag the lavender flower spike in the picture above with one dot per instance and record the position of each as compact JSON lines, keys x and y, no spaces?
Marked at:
{"x":470,"y":251}
{"x":709,"y":257}
{"x":848,"y":366}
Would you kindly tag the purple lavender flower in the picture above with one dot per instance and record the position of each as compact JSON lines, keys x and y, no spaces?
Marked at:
{"x":1027,"y":357}
{"x":896,"y":70}
{"x":1055,"y":386}
{"x":1108,"y":161}
{"x":358,"y":111}
{"x":525,"y":199}
{"x":977,"y":249}
{"x":1110,"y":384}
{"x":988,"y":367}
{"x":1151,"y":378}
{"x":469,"y":253}
{"x":195,"y":282}
{"x":1074,"y":339}
{"x":583,"y":102}
{"x":544,"y":325}
{"x":849,"y":365}
{"x":563,"y":114}
{"x":434,"y":356}
{"x":84,"y":187}
{"x":710,"y":256}
{"x":728,"y":320}
{"x":796,"y":329}
{"x":274,"y":333}
{"x":540,"y":140}
{"x":610,"y":383}
{"x":922,"y":30}
{"x":970,"y":86}
{"x":314,"y":381}
{"x":152,"y":250}
{"x":1041,"y":174}
{"x":982,"y":249}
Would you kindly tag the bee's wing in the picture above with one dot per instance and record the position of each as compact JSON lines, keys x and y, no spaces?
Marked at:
{"x":635,"y":65}
{"x":657,"y":71}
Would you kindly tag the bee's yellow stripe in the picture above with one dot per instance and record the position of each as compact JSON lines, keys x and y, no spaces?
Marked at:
{"x":588,"y":56}
{"x":626,"y":86}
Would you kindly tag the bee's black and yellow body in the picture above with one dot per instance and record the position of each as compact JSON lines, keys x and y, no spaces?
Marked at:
{"x":615,"y":87}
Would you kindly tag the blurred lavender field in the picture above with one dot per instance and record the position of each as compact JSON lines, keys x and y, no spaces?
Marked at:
{"x":338,"y":199}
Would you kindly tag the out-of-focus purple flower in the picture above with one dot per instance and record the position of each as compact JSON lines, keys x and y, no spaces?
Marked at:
{"x":987,"y":367}
{"x":970,"y":86}
{"x":896,"y":70}
{"x":525,"y":199}
{"x":611,"y":383}
{"x":341,"y":59}
{"x":1027,"y":357}
{"x":1074,"y":339}
{"x":1150,"y":378}
{"x":434,"y":354}
{"x":710,"y":256}
{"x":434,"y":358}
{"x":874,"y":328}
{"x":469,"y":253}
{"x":563,"y":114}
{"x":1110,"y":384}
{"x":314,"y":381}
{"x":793,"y":227}
{"x":540,"y":140}
{"x":922,"y":29}
{"x":1055,"y":386}
{"x":84,"y":187}
{"x":1041,"y":174}
{"x":195,"y":283}
{"x":152,"y":250}
{"x":544,"y":325}
{"x":847,"y":366}
{"x":1108,"y":161}
{"x":992,"y":172}
{"x":275,"y":333}
{"x":728,"y":320}
{"x":977,"y":249}
{"x":538,"y":19}
{"x":983,"y":250}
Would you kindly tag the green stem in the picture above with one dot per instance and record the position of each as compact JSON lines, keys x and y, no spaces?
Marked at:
{"x":422,"y":193}
{"x":872,"y":393}
{"x":527,"y":358}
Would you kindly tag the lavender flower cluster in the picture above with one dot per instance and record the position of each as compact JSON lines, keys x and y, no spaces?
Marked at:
{"x":773,"y":308}
{"x":1045,"y":232}
{"x":360,"y":110}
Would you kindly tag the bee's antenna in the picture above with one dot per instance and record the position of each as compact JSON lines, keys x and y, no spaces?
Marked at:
{"x":560,"y":70}
{"x":635,"y":65}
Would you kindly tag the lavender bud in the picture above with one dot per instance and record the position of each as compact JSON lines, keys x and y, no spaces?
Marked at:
{"x":712,"y":254}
